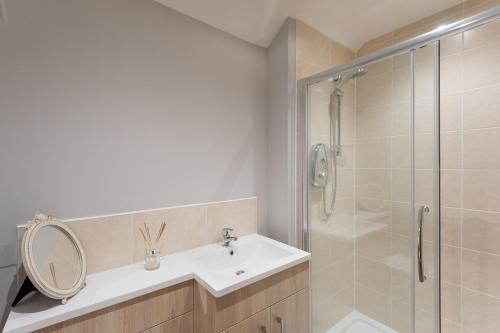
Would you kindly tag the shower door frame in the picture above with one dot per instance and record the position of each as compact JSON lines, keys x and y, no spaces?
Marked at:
{"x":409,"y":46}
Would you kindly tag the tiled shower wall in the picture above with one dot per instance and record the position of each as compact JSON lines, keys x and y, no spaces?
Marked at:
{"x":333,"y":251}
{"x":382,"y":164}
{"x":470,"y":120}
{"x":470,"y":90}
{"x":470,"y":109}
{"x":331,"y":238}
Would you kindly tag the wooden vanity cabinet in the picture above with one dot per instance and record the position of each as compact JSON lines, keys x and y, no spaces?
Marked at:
{"x":258,"y":323}
{"x":181,"y":324}
{"x":161,"y":311}
{"x":291,"y":315}
{"x":283,"y":295}
{"x":276,"y":304}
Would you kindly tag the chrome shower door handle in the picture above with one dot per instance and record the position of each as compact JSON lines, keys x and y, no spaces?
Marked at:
{"x":420,"y":256}
{"x":282,"y":324}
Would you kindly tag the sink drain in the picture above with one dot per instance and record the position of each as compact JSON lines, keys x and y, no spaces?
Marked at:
{"x":240,"y":272}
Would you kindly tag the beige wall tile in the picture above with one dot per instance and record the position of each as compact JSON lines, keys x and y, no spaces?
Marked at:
{"x":451,"y":45}
{"x":373,"y":153}
{"x":472,"y":7}
{"x":424,"y":151}
{"x":480,"y":312}
{"x":401,"y":219}
{"x":450,"y":264}
{"x":451,"y":224}
{"x":400,"y":152}
{"x":320,"y":253}
{"x":402,"y":85}
{"x":401,"y":317}
{"x":401,"y":253}
{"x":312,"y":46}
{"x":487,"y":100}
{"x":424,"y":321}
{"x":481,"y":231}
{"x":488,"y":33}
{"x":108,"y":242}
{"x":424,"y":295}
{"x":451,"y":189}
{"x":373,"y":304}
{"x":424,"y":187}
{"x":373,"y":210}
{"x":241,"y":215}
{"x":451,"y":112}
{"x":451,"y":74}
{"x":376,"y":44}
{"x":401,"y":185}
{"x":376,"y":246}
{"x":480,"y":147}
{"x":481,"y":66}
{"x":373,"y":91}
{"x":305,"y":69}
{"x":331,"y":310}
{"x":401,"y":286}
{"x":320,"y":284}
{"x":448,"y":326}
{"x":373,"y":122}
{"x":373,"y":274}
{"x":341,"y":274}
{"x":427,"y":24}
{"x":451,"y":150}
{"x":383,"y":66}
{"x":424,"y":115}
{"x":481,"y":189}
{"x":339,"y":54}
{"x":185,"y":229}
{"x":402,"y":60}
{"x":401,"y":122}
{"x":424,"y":78}
{"x":481,"y":271}
{"x":428,"y":250}
{"x":373,"y":183}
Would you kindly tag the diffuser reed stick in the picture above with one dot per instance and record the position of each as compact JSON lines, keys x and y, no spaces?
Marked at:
{"x":146,"y":239}
{"x":160,"y":232}
{"x":146,"y":235}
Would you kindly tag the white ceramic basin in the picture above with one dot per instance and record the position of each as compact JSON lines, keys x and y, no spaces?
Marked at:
{"x":251,"y":258}
{"x":239,"y":256}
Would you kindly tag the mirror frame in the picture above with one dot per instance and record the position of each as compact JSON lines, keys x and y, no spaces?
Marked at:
{"x":29,"y":264}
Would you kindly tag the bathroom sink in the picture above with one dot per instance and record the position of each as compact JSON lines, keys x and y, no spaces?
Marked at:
{"x":224,"y":269}
{"x":224,"y":260}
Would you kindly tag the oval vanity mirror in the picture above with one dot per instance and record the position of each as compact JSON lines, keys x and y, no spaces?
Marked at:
{"x":53,"y":258}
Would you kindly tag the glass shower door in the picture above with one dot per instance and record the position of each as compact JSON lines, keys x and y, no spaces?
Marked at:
{"x":426,"y":199}
{"x":371,"y":184}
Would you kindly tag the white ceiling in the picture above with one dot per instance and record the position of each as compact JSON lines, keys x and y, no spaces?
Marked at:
{"x":350,"y":22}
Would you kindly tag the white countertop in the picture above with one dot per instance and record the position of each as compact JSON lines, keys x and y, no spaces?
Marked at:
{"x":121,"y":284}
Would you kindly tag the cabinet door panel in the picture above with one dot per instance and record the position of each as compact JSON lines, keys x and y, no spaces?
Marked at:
{"x":258,"y":323}
{"x":134,"y":315}
{"x":181,"y":324}
{"x":292,"y":314}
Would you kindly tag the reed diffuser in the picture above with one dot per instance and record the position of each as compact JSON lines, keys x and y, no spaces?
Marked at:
{"x":152,"y":259}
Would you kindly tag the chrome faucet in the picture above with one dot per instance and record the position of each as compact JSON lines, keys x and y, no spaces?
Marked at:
{"x":226,"y":236}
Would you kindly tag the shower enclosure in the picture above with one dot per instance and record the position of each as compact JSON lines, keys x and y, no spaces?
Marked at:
{"x":384,"y":186}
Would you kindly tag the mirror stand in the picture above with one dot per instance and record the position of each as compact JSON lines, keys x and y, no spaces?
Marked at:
{"x":53,"y":260}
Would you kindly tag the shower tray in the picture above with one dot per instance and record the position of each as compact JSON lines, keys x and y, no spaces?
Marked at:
{"x":356,"y":322}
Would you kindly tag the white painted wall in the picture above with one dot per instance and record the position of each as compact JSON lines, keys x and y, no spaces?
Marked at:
{"x":281,"y":106}
{"x":118,"y":105}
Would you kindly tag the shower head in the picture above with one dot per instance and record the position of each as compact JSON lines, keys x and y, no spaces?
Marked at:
{"x":341,"y":80}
